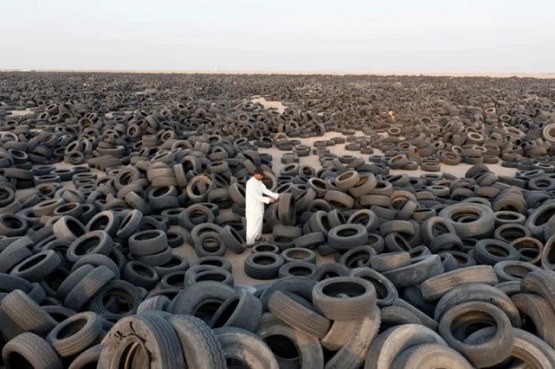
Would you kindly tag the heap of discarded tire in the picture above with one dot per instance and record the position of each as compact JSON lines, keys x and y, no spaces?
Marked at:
{"x":429,"y":271}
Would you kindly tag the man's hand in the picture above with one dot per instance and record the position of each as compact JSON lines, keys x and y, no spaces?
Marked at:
{"x":272,"y":200}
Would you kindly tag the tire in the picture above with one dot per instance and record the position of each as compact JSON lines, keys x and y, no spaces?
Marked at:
{"x":68,"y":228}
{"x":538,"y":312}
{"x":200,"y":346}
{"x":347,"y":236}
{"x":430,"y":355}
{"x":311,"y":240}
{"x":532,"y":350}
{"x":232,"y":239}
{"x":329,"y":297}
{"x":106,"y":221}
{"x":386,"y":292}
{"x":513,"y":270}
{"x":297,"y":268}
{"x":480,"y":226}
{"x":299,"y":254}
{"x":75,"y":334}
{"x":97,"y":260}
{"x":27,"y":314}
{"x":96,"y":242}
{"x":245,"y":348}
{"x":201,"y":299}
{"x":491,"y":251}
{"x":263,"y":265}
{"x":479,"y":293}
{"x":15,"y":253}
{"x":72,"y":279}
{"x":422,"y":268}
{"x":301,"y":286}
{"x":38,"y":266}
{"x":30,"y":350}
{"x":389,"y":261}
{"x":87,"y":359}
{"x":298,"y":316}
{"x":242,"y":310}
{"x":353,"y":352}
{"x":117,"y":297}
{"x":129,"y":224}
{"x":159,"y":344}
{"x":471,"y":313}
{"x":391,"y":343}
{"x":357,"y":257}
{"x":148,"y":242}
{"x":396,"y":315}
{"x":209,"y":244}
{"x":425,"y":319}
{"x":140,"y":274}
{"x":290,"y":346}
{"x":330,"y":270}
{"x":540,"y":282}
{"x":156,"y":303}
{"x":435,"y":287}
{"x":88,"y":287}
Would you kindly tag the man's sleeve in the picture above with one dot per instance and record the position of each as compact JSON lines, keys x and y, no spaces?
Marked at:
{"x":253,"y":193}
{"x":270,"y":193}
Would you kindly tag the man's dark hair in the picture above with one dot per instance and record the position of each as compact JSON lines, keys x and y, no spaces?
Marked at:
{"x":258,"y":171}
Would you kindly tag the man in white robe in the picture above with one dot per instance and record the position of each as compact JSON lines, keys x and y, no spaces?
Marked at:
{"x":255,"y":201}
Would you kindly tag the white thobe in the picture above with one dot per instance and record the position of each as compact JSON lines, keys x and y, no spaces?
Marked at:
{"x":254,"y":211}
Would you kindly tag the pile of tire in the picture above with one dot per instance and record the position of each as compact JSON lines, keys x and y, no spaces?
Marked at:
{"x":428,"y":270}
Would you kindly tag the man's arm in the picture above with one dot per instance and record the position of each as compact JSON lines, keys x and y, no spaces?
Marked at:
{"x":270,"y":193}
{"x":251,"y":192}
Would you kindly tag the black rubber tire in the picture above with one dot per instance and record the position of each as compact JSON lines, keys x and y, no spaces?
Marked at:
{"x":31,"y":351}
{"x":297,"y":268}
{"x":97,"y":260}
{"x":245,"y":348}
{"x":263,"y":265}
{"x":75,"y":334}
{"x":158,"y":342}
{"x":477,"y":312}
{"x":386,"y":292}
{"x":422,"y":268}
{"x":156,"y":303}
{"x":87,"y":359}
{"x":38,"y":266}
{"x":201,"y":299}
{"x":290,"y":346}
{"x":298,"y":316}
{"x":347,"y":236}
{"x":117,"y":297}
{"x":480,"y":226}
{"x":344,"y":298}
{"x":391,"y":343}
{"x":435,"y":287}
{"x":491,"y":251}
{"x":352,"y":354}
{"x":140,"y":274}
{"x":96,"y":242}
{"x":148,"y":242}
{"x":242,"y":310}
{"x":72,"y":279}
{"x":232,"y":239}
{"x":200,"y":346}
{"x":15,"y":253}
{"x":481,"y":293}
{"x":428,"y":355}
{"x":26,"y":313}
{"x":88,"y":287}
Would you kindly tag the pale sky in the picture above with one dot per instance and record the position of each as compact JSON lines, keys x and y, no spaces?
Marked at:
{"x":282,"y":35}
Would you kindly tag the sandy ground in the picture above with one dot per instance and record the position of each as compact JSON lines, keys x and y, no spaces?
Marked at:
{"x":237,"y":261}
